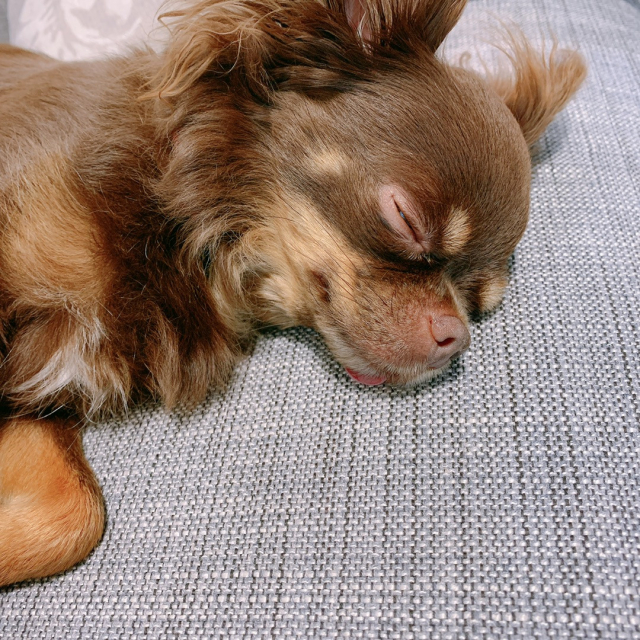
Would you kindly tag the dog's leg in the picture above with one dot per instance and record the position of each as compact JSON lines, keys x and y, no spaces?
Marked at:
{"x":51,"y":508}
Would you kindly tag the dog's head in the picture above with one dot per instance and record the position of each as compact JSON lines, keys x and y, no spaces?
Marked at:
{"x":393,"y":187}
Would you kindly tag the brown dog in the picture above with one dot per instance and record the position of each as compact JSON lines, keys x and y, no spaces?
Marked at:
{"x":284,"y":162}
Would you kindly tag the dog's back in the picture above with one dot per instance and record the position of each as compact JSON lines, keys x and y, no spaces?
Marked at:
{"x":17,"y":65}
{"x":95,"y":307}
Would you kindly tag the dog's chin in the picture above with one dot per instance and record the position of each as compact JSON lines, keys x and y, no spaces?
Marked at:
{"x":392,"y":375}
{"x":366,"y":378}
{"x":396,"y":378}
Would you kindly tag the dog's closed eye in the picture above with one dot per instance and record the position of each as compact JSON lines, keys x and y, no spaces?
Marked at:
{"x":398,"y":213}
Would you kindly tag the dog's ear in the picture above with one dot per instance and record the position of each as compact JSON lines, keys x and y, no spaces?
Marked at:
{"x":314,"y":46}
{"x":260,"y":46}
{"x":539,"y":85}
{"x":208,"y":37}
{"x":390,"y":22}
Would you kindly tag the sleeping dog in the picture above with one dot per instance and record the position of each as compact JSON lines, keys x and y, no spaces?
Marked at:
{"x":281,"y":162}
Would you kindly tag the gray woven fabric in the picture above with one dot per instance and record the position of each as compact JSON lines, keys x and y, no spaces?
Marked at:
{"x":501,"y":501}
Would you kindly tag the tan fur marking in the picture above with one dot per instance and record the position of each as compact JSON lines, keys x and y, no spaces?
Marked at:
{"x":296,"y":242}
{"x":51,"y":513}
{"x":329,"y":161}
{"x":49,"y":244}
{"x":77,"y":363}
{"x":492,"y":293}
{"x":457,"y":232}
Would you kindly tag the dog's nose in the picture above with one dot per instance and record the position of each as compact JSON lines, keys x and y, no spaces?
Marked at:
{"x":439,"y":338}
{"x":451,"y":338}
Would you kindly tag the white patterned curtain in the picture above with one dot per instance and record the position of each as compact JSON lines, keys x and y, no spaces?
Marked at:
{"x":82,"y":29}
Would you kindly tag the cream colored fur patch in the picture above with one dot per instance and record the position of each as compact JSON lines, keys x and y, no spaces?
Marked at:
{"x":492,"y":293}
{"x":329,"y":161}
{"x":457,"y":231}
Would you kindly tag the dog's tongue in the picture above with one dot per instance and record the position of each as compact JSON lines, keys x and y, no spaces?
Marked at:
{"x":362,"y":378}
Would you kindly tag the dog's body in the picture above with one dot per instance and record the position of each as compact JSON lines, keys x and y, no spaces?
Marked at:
{"x":284,"y":162}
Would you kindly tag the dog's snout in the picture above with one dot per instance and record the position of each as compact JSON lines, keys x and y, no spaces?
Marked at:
{"x":439,"y":338}
{"x":450,"y":335}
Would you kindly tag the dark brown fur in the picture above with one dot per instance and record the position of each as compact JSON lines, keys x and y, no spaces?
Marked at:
{"x":284,"y":162}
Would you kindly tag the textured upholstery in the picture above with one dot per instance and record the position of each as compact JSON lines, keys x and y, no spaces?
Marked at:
{"x":500,"y":501}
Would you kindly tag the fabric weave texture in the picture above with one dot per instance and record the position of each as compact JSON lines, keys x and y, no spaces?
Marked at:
{"x":499,"y":501}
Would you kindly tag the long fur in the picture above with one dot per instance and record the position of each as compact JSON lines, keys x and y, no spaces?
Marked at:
{"x":283,"y":162}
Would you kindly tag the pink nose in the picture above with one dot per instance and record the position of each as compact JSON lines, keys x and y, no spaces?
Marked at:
{"x":440,"y":338}
{"x":451,"y":337}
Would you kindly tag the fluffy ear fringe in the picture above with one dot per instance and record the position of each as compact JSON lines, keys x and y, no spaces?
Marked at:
{"x":389,"y":22}
{"x":203,"y":36}
{"x":316,"y":46}
{"x":258,"y":44}
{"x":539,"y":84}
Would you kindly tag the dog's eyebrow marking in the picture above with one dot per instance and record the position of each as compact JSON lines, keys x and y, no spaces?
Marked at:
{"x":492,"y":292}
{"x":329,"y":161}
{"x":457,"y":231}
